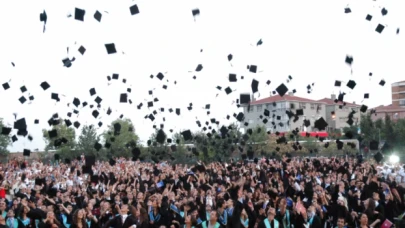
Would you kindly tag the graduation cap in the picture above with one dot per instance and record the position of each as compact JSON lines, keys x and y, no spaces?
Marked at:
{"x":366,"y":96}
{"x":348,"y":10}
{"x":378,"y":157}
{"x":230,"y":56}
{"x":199,"y":68}
{"x":349,"y":59}
{"x":244,"y":98}
{"x":26,"y":152}
{"x":195,"y":12}
{"x":134,"y":9}
{"x":384,"y":11}
{"x":233,"y":78}
{"x":338,"y":83}
{"x":253,"y":68}
{"x":382,"y":82}
{"x":363,"y":108}
{"x":44,"y":85}
{"x":369,"y":17}
{"x":22,"y":99}
{"x":82,"y":50}
{"x":228,"y":90}
{"x":374,"y":145}
{"x":187,"y":135}
{"x":98,"y":100}
{"x":79,"y":14}
{"x":321,"y":124}
{"x":110,"y":48}
{"x":43,"y":17}
{"x":380,"y":28}
{"x":351,"y":84}
{"x":123,"y":98}
{"x":282,"y":89}
{"x":255,"y":85}
{"x":6,"y":86}
{"x":161,"y":136}
{"x":98,"y":16}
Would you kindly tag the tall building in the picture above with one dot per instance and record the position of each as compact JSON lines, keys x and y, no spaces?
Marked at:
{"x":396,"y":110}
{"x":337,"y":114}
{"x":398,"y":93}
{"x":277,"y":118}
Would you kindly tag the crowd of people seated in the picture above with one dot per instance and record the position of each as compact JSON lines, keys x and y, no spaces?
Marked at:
{"x":264,"y":193}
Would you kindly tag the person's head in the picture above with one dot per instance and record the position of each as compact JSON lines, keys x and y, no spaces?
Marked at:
{"x":311,"y":211}
{"x":282,"y":204}
{"x":2,"y":205}
{"x":341,"y":222}
{"x":124,"y":209}
{"x":10,"y":214}
{"x":271,"y":213}
{"x":214,"y":216}
{"x":376,"y":196}
{"x":78,"y":216}
{"x":363,"y":219}
{"x":208,"y":208}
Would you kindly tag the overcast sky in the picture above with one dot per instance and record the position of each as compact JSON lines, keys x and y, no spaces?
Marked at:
{"x":308,"y":40}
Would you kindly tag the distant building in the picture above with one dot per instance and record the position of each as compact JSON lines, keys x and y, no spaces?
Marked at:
{"x":337,"y":114}
{"x":398,"y":93}
{"x":278,"y":119}
{"x":396,"y":110}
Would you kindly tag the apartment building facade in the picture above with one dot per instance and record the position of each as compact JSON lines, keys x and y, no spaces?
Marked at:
{"x":278,"y":119}
{"x":398,"y":94}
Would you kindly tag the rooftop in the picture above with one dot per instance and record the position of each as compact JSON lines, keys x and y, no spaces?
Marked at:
{"x":330,"y":101}
{"x":278,"y":98}
{"x":389,"y":108}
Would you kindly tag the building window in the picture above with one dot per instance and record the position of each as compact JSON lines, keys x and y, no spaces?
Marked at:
{"x":250,"y":108}
{"x":268,"y":107}
{"x":319,"y":107}
{"x":259,"y":108}
{"x":303,"y":105}
{"x":402,"y":102}
{"x":282,"y":105}
{"x":292,"y":106}
{"x":312,"y":106}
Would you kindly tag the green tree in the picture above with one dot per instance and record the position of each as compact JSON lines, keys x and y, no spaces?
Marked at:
{"x":66,"y":150}
{"x":258,"y":139}
{"x":388,"y":131}
{"x":122,"y":137}
{"x":86,"y":141}
{"x":4,"y":141}
{"x":367,"y":128}
{"x":352,"y":130}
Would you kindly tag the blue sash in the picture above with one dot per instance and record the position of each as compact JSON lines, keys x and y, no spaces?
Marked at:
{"x":230,"y":211}
{"x":182,"y":214}
{"x":245,"y":223}
{"x":14,"y":225}
{"x":4,"y":214}
{"x":26,"y":221}
{"x":311,"y":220}
{"x":286,"y":216}
{"x":205,"y":224}
{"x":64,"y":220}
{"x":89,"y":223}
{"x":267,"y":223}
{"x":199,"y":221}
{"x":154,"y":218}
{"x":223,"y":219}
{"x":208,"y":215}
{"x":174,"y":208}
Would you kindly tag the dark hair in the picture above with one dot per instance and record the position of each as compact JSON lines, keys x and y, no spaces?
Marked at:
{"x":143,"y":217}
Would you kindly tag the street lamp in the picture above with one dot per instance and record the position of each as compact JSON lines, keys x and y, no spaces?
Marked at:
{"x":394,"y":159}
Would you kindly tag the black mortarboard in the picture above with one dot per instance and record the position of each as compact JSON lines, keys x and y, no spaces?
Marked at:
{"x":378,"y":157}
{"x":255,"y":85}
{"x":43,"y":17}
{"x":349,"y":59}
{"x":68,"y":123}
{"x":178,"y":111}
{"x":351,"y":84}
{"x":55,"y":96}
{"x":115,"y":76}
{"x":348,"y":10}
{"x":44,"y":85}
{"x":98,"y":100}
{"x":14,"y":138}
{"x":199,"y":68}
{"x":97,"y":16}
{"x":349,"y":135}
{"x":161,"y":136}
{"x":6,"y":86}
{"x":244,"y":98}
{"x":230,"y":57}
{"x":374,"y":145}
{"x":368,"y":17}
{"x":382,"y":82}
{"x":36,"y":121}
{"x":282,"y":89}
{"x":195,"y":12}
{"x":76,"y":102}
{"x":366,"y":96}
{"x":300,"y":112}
{"x":380,"y":28}
{"x":363,"y":108}
{"x":22,"y":99}
{"x":253,"y":68}
{"x":79,"y":14}
{"x":97,"y":146}
{"x":123,"y":98}
{"x":228,"y":90}
{"x":134,"y":9}
{"x":23,"y":89}
{"x":233,"y":78}
{"x":321,"y":124}
{"x":338,"y":83}
{"x":31,"y":98}
{"x":76,"y":124}
{"x":110,"y":48}
{"x":82,"y":50}
{"x":20,"y":124}
{"x":384,"y":11}
{"x":26,"y":153}
{"x":187,"y":135}
{"x":160,"y":76}
{"x":95,"y":113}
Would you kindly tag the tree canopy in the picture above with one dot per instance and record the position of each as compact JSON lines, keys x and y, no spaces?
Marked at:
{"x":4,"y":141}
{"x":64,"y":142}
